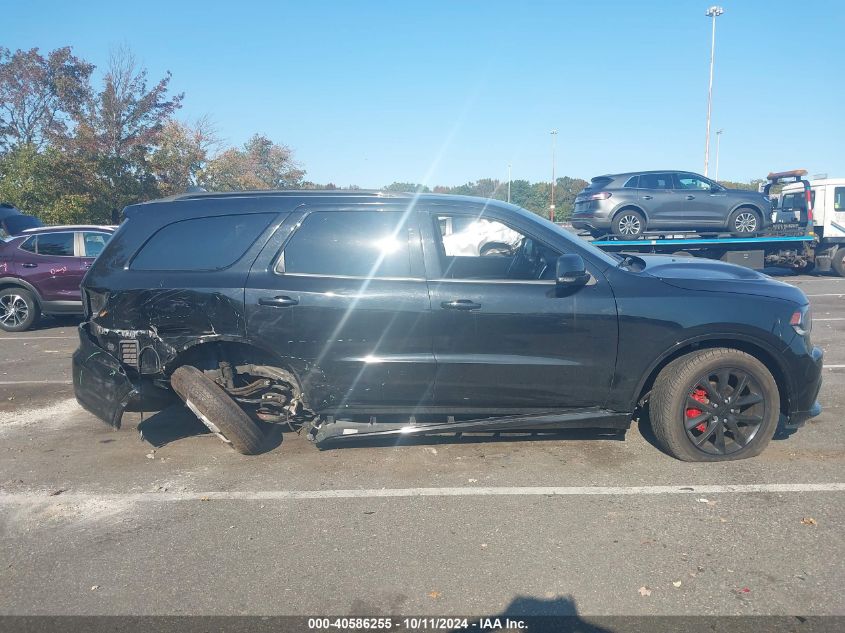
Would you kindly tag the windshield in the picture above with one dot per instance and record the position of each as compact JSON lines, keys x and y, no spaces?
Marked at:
{"x":595,"y":251}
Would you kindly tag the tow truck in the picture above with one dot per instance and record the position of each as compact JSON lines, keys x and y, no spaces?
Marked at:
{"x":802,"y":244}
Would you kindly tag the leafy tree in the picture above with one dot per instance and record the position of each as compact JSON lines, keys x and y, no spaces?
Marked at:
{"x":406,"y":187}
{"x":39,"y":94}
{"x":748,"y":186}
{"x":182,"y":154}
{"x":260,"y":164}
{"x":49,"y":185}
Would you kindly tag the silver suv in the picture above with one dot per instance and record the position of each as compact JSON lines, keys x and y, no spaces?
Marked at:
{"x":634,"y":203}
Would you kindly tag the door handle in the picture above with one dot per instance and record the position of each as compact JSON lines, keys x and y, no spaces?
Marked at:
{"x":278,"y":302}
{"x":29,"y":265}
{"x":460,"y":304}
{"x":690,"y":197}
{"x":647,"y":197}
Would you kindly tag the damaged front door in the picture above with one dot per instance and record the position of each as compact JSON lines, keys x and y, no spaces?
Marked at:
{"x":340,"y":293}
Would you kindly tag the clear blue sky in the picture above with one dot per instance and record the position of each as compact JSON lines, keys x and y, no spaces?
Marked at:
{"x":369,"y":93}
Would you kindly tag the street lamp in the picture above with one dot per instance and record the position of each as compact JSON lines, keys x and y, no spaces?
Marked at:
{"x":509,"y":183}
{"x":713,"y":12}
{"x":552,"y":204}
{"x":718,"y":140}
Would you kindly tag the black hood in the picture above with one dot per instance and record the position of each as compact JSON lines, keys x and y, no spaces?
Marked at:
{"x":715,"y":276}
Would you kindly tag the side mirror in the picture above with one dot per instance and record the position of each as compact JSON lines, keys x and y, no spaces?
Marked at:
{"x":571,"y":272}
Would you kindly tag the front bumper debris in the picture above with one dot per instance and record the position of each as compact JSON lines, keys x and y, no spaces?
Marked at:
{"x":100,"y":382}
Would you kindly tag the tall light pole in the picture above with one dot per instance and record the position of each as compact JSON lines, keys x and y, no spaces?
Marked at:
{"x":552,"y":203}
{"x":509,"y":183}
{"x":718,"y":141}
{"x":713,"y":12}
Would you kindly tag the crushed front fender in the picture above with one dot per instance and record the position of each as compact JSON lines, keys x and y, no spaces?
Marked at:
{"x":100,"y":382}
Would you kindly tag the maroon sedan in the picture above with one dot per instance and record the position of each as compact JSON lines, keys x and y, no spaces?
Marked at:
{"x":41,"y":269}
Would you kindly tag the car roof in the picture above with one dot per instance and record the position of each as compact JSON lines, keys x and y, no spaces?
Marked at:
{"x":814,"y":183}
{"x":312,"y":195}
{"x":646,"y":171}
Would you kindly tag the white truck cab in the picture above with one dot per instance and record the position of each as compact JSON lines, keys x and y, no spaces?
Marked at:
{"x":827,"y":198}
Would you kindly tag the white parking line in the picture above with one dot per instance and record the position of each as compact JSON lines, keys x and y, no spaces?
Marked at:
{"x":829,"y":294}
{"x":37,"y":338}
{"x":830,"y":319}
{"x":35,"y":382}
{"x":373,"y":493}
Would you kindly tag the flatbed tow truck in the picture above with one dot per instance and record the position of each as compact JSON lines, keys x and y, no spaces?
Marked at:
{"x":796,"y":245}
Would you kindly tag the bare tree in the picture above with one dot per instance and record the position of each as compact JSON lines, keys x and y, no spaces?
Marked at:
{"x":120,"y":125}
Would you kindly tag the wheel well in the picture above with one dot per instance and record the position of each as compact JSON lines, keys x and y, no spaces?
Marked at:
{"x":207,"y":356}
{"x":750,"y":207}
{"x":22,"y":286}
{"x":629,"y":207}
{"x":749,"y":348}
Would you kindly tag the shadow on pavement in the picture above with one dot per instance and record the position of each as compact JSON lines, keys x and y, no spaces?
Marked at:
{"x":176,"y":423}
{"x":539,"y":615}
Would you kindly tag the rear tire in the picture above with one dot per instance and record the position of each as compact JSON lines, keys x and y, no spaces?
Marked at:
{"x":838,"y":262}
{"x":744,"y":222}
{"x":693,"y":416}
{"x":628,"y":223}
{"x":19,"y":311}
{"x":217,"y":410}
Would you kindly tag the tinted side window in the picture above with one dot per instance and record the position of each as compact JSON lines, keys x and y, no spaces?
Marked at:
{"x":94,"y":243}
{"x":208,"y":243}
{"x":350,"y":244}
{"x":656,"y":181}
{"x":691,"y":181}
{"x":838,"y":199}
{"x":56,"y":244}
{"x":29,"y":244}
{"x":632,"y":182}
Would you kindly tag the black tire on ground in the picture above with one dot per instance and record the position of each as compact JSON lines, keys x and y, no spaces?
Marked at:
{"x":628,"y":223}
{"x":838,"y":261}
{"x":744,"y":222}
{"x":217,"y":410}
{"x":19,"y":310}
{"x":677,"y":405}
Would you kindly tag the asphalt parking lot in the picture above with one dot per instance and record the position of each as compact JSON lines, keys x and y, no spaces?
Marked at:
{"x":96,"y":521}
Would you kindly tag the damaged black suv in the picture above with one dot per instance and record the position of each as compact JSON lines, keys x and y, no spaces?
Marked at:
{"x":359,"y":314}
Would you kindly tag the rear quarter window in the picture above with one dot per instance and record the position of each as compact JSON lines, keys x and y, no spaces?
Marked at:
{"x":201,"y":244}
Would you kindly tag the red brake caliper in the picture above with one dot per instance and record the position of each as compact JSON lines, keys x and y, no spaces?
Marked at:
{"x":701,"y":396}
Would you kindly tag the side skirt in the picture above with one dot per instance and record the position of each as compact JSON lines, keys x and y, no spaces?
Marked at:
{"x":333,"y":432}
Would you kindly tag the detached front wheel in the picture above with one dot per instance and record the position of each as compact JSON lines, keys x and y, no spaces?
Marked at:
{"x":217,"y":410}
{"x":714,"y":405}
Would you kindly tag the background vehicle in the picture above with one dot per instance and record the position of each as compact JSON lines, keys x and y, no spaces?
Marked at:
{"x":13,"y":222}
{"x":827,"y":209}
{"x":801,"y":238}
{"x":365,"y":314}
{"x":631,"y":204}
{"x":40,"y":272}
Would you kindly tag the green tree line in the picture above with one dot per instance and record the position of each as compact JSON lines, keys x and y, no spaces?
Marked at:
{"x":76,"y":151}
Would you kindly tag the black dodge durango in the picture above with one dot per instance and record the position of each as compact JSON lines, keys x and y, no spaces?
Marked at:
{"x":356,"y":314}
